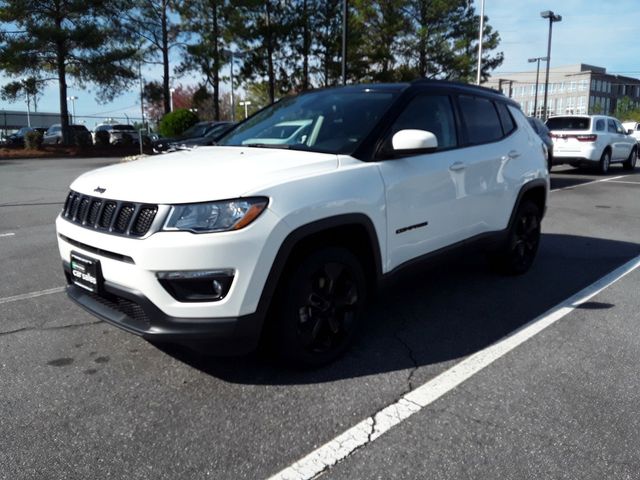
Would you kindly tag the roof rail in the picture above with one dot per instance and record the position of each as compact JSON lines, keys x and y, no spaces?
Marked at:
{"x":469,"y":86}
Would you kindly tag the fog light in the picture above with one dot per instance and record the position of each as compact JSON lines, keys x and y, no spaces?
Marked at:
{"x":197,"y":285}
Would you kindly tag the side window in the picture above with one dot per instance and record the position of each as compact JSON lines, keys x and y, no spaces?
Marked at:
{"x":508,"y":125}
{"x":481,"y":118}
{"x":432,"y":113}
{"x":619,"y":128}
{"x":611,"y":126}
{"x":600,"y":125}
{"x":638,"y":127}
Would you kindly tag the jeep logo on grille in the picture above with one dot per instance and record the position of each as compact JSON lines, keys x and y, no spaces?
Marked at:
{"x":99,"y":189}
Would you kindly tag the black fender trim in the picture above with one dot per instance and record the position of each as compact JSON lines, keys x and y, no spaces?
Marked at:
{"x":527,"y":187}
{"x":305,"y":231}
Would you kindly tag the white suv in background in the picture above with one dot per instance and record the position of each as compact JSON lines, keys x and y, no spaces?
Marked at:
{"x":223,"y":246}
{"x":591,"y":140}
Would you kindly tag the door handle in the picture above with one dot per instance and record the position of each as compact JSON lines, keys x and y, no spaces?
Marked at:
{"x":513,"y":154}
{"x":457,"y":166}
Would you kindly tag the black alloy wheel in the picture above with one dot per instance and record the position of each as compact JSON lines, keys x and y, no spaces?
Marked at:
{"x":521,"y":248}
{"x":321,"y":307}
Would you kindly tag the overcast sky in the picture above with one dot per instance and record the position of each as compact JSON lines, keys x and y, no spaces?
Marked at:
{"x":597,"y":32}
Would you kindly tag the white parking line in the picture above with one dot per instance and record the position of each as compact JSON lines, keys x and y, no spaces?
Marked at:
{"x":571,"y":187}
{"x":10,"y":234}
{"x":373,"y":427}
{"x":26,"y":296}
{"x":626,"y":183}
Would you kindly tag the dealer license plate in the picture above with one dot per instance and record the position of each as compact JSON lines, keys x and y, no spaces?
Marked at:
{"x":85,"y":272}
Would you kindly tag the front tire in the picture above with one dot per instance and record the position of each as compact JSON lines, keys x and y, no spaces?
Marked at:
{"x":630,"y":162}
{"x":605,"y":162}
{"x":519,"y":252}
{"x":320,"y":306}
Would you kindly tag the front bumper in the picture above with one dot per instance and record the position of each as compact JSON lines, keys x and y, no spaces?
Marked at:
{"x":131,"y":311}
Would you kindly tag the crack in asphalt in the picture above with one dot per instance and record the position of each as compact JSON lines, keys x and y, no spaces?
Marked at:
{"x":44,"y":329}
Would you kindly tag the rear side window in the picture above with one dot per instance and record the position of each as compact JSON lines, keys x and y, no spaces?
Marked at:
{"x":508,"y":125}
{"x":481,"y":118}
{"x":569,"y":123}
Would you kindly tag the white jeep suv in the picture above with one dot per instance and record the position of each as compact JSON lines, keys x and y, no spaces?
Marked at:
{"x":591,"y":140}
{"x":221,"y":245}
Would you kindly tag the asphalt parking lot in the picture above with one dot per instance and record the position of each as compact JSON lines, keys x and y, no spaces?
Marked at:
{"x":81,"y":399}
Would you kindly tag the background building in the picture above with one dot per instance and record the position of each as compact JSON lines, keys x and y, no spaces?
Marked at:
{"x":573,"y":89}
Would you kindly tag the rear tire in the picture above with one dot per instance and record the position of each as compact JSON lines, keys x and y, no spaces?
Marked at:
{"x":519,"y":251}
{"x":630,"y":163}
{"x":319,"y":307}
{"x":605,"y":162}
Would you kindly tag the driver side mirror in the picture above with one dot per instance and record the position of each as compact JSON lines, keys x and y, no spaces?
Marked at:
{"x":414,"y":142}
{"x":630,"y":131}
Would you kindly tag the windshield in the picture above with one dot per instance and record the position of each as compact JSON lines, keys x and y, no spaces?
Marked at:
{"x":123,"y":127}
{"x":569,"y":123}
{"x":331,"y":121}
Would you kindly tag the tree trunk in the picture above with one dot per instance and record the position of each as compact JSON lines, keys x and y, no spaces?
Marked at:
{"x":166,"y":94}
{"x":216,"y":62}
{"x":422,"y":43}
{"x":305,"y":47}
{"x":269,"y":44}
{"x":61,"y":57}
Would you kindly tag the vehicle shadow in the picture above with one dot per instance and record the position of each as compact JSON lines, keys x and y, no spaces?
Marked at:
{"x":443,"y":313}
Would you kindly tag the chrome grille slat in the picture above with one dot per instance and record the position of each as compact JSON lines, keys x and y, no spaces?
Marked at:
{"x":110,"y":216}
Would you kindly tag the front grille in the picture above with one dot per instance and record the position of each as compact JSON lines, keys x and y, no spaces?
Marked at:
{"x":123,"y":305}
{"x":112,"y":216}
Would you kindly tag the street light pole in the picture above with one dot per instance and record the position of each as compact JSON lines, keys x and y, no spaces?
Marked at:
{"x":552,"y":18}
{"x":171,"y":90}
{"x":478,"y":75}
{"x":246,"y":103}
{"x":73,"y":107}
{"x":535,"y":99}
{"x":233,"y":100}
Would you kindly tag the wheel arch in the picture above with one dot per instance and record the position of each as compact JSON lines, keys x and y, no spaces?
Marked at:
{"x":535,"y":190}
{"x":354,"y":231}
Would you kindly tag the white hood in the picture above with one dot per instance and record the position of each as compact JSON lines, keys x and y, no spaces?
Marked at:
{"x":201,"y":174}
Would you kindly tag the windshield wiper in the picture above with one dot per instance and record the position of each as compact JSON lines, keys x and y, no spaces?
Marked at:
{"x":268,"y":145}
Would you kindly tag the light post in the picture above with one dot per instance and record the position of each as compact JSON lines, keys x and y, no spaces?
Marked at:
{"x":26,"y":91}
{"x":73,"y":107}
{"x":552,"y":18}
{"x":480,"y":43}
{"x":171,"y":90}
{"x":246,"y":103}
{"x":535,"y":99}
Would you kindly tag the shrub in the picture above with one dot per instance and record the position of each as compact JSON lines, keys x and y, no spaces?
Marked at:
{"x":102,"y":138}
{"x":176,"y":122}
{"x":33,"y":140}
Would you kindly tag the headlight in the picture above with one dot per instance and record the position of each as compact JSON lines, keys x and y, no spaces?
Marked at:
{"x":215,"y":216}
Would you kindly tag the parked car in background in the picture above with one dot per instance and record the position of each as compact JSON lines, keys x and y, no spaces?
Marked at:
{"x":210,"y":138}
{"x":591,"y":140}
{"x":119,"y":133}
{"x":198,"y":130}
{"x":633,"y":129}
{"x":53,"y":135}
{"x":17,"y":139}
{"x":545,"y":135}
